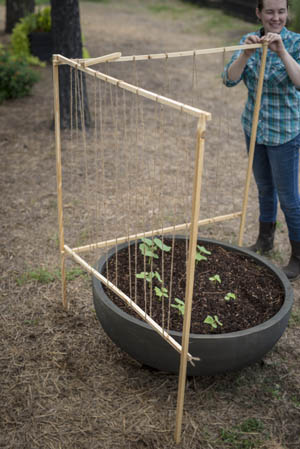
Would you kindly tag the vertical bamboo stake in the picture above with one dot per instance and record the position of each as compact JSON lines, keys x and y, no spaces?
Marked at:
{"x":253,"y":139}
{"x":59,"y":178}
{"x":190,"y":274}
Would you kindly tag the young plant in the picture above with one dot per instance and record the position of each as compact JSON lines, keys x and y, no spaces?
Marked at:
{"x":215,"y":278}
{"x":149,"y":276}
{"x":229,"y":296}
{"x":200,"y":250}
{"x":161,"y":292}
{"x":145,"y":275}
{"x":148,"y":248}
{"x":158,"y":242}
{"x":179,"y":306}
{"x":214,"y":321}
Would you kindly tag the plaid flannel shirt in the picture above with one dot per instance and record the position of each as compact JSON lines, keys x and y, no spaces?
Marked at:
{"x":279,"y":117}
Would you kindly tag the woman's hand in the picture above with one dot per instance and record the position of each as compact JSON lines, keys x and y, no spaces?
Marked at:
{"x":252,"y":39}
{"x":275,"y":43}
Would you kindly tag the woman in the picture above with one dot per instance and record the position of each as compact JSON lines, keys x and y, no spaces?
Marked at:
{"x":276,"y":156}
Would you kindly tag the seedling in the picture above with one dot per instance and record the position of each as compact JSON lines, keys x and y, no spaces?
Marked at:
{"x":214,"y":321}
{"x":215,"y":278}
{"x":161,"y":245}
{"x":229,"y":296}
{"x":200,"y":250}
{"x":161,"y":292}
{"x":179,"y":306}
{"x":149,"y":247}
{"x":149,"y":276}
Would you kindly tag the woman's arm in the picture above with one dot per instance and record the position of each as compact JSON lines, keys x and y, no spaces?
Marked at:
{"x":292,"y":67}
{"x":237,"y":67}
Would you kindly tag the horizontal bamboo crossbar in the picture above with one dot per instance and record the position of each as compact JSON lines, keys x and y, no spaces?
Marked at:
{"x":163,"y":333}
{"x":166,"y":230}
{"x":106,"y":58}
{"x":179,"y":54}
{"x":59,"y":59}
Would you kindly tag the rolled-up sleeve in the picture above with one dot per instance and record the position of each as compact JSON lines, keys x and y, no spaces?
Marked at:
{"x":228,"y":82}
{"x":236,"y":54}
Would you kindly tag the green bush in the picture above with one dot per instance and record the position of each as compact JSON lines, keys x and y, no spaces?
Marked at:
{"x":295,"y":14}
{"x":16,"y":77}
{"x":40,"y":21}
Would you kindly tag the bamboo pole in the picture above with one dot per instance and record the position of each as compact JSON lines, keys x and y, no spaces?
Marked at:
{"x":59,"y":180}
{"x":162,"y":231}
{"x":178,"y":54}
{"x":100,"y":59}
{"x":190,"y":275}
{"x":136,"y":90}
{"x":252,"y":140}
{"x":114,"y":58}
{"x":163,"y":333}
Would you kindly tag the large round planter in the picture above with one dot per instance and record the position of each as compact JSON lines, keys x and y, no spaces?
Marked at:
{"x":217,"y":353}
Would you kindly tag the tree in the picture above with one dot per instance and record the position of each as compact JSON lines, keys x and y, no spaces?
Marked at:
{"x":15,"y":10}
{"x":67,"y":41}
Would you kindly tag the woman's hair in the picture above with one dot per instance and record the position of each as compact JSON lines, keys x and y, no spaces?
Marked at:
{"x":260,"y":4}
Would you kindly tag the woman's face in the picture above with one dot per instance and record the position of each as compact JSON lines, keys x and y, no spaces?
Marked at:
{"x":273,"y":15}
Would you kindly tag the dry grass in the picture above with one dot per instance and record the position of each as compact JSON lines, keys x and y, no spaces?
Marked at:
{"x":63,"y":382}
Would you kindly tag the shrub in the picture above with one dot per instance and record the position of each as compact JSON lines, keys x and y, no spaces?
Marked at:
{"x":40,"y":21}
{"x":295,"y":26}
{"x":16,"y":77}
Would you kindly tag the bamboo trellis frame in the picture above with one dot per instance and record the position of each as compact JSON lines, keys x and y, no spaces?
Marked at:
{"x":203,"y":116}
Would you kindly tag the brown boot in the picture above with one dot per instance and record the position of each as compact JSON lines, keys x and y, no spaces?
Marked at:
{"x":292,"y":270}
{"x":265,"y":239}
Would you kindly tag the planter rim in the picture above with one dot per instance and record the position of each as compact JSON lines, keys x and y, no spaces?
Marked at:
{"x":288,"y":292}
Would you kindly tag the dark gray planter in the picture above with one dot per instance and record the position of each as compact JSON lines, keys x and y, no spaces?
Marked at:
{"x":41,"y":45}
{"x":218,"y":353}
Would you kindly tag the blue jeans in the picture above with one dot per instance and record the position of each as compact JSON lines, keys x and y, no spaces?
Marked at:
{"x":276,"y":170}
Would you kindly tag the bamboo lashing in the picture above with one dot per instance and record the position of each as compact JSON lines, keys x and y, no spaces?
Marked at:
{"x":92,"y":61}
{"x":131,"y":303}
{"x":253,"y":139}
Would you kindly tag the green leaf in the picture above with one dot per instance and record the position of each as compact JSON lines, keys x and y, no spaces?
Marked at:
{"x":199,"y":257}
{"x":145,"y":275}
{"x":215,"y":278}
{"x":229,"y":296}
{"x":209,"y":320}
{"x":146,"y":251}
{"x":179,"y":306}
{"x":148,"y":242}
{"x":179,"y":301}
{"x":203,"y":250}
{"x":161,"y":245}
{"x":213,"y":321}
{"x":157,"y":275}
{"x":217,"y":320}
{"x":161,"y":292}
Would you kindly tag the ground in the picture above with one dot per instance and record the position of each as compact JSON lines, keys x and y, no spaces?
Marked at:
{"x":64,"y":384}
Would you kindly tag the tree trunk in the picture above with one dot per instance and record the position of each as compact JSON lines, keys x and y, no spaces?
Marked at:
{"x":15,"y":10}
{"x":66,"y":32}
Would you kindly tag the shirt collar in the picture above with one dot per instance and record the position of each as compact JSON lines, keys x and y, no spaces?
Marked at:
{"x":283,"y":33}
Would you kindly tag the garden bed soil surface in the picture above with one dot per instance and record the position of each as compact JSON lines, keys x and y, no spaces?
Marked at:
{"x":258,"y":292}
{"x":63,"y":382}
